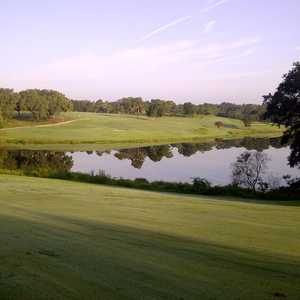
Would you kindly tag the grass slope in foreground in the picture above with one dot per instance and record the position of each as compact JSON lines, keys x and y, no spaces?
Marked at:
{"x":91,"y":128}
{"x":64,"y":240}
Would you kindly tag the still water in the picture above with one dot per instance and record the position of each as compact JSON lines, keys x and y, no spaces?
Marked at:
{"x":175,"y":162}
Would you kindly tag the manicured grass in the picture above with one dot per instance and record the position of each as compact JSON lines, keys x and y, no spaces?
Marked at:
{"x":100,"y":130}
{"x":65,"y":240}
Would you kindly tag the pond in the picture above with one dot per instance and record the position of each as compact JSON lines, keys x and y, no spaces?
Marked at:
{"x":173,"y":162}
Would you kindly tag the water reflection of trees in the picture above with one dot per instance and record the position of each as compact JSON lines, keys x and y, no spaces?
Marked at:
{"x":189,"y":149}
{"x":137,"y":156}
{"x":35,"y":161}
{"x":258,"y":144}
{"x":30,"y":161}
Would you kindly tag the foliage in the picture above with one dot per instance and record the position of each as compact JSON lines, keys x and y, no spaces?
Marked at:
{"x":200,"y":186}
{"x":283,"y":108}
{"x":43,"y":103}
{"x":246,"y":112}
{"x":189,"y":108}
{"x":7,"y":103}
{"x":219,"y":124}
{"x":158,"y":108}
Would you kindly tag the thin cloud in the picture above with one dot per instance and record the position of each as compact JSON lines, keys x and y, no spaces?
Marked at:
{"x":213,"y":6}
{"x":165,"y":27}
{"x":182,"y":20}
{"x":209,"y":26}
{"x":171,"y":63}
{"x":298,"y":48}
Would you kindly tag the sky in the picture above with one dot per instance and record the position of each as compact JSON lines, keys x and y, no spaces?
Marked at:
{"x":191,"y":50}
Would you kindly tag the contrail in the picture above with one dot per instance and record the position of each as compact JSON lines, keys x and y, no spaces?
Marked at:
{"x":210,"y":7}
{"x":181,"y":20}
{"x":164,"y":27}
{"x":209,"y":26}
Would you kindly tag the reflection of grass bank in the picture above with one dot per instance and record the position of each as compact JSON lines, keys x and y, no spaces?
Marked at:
{"x":74,"y":241}
{"x":103,"y":131}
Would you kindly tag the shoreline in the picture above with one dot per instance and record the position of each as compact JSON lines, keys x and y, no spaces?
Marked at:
{"x":103,"y":145}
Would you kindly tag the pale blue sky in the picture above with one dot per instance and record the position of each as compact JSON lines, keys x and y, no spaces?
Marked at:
{"x":197,"y":50}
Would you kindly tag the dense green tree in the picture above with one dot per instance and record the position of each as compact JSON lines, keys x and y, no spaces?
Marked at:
{"x":34,"y":102}
{"x":56,"y":101}
{"x":102,"y":106}
{"x":20,"y":105}
{"x":189,"y":108}
{"x":207,"y":109}
{"x":8,"y":101}
{"x":44,"y":103}
{"x":83,"y":105}
{"x":283,"y":108}
{"x":131,"y":105}
{"x":47,"y":103}
{"x":159,"y":108}
{"x":230,"y":110}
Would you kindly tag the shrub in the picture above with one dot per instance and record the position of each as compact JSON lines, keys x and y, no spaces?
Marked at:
{"x":219,"y":124}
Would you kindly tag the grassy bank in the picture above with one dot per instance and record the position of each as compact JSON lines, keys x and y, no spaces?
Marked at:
{"x":90,"y":130}
{"x":81,"y":241}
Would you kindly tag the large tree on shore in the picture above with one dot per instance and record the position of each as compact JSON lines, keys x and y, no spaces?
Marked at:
{"x":283,"y":108}
{"x":249,"y":168}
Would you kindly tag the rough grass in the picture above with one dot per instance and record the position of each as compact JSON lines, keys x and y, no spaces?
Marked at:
{"x":64,"y":240}
{"x":100,"y":129}
{"x":26,"y":121}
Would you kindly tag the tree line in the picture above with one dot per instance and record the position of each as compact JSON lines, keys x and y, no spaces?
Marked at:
{"x":159,"y":108}
{"x":42,"y":104}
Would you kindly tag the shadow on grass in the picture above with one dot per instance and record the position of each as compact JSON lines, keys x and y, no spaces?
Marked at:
{"x":72,"y":258}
